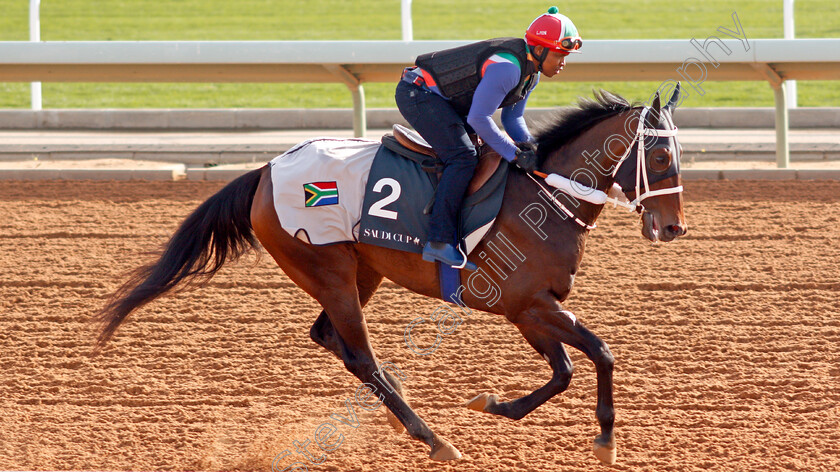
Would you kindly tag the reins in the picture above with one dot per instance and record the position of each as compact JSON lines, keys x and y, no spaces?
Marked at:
{"x":557,"y":203}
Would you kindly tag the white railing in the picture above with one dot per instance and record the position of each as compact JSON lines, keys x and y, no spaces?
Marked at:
{"x":356,"y":62}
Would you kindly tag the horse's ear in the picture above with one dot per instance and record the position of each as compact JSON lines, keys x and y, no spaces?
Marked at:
{"x":675,"y":98}
{"x":652,"y":118}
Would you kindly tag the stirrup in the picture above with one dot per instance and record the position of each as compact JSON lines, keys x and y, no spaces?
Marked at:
{"x":463,"y":264}
{"x":449,"y":259}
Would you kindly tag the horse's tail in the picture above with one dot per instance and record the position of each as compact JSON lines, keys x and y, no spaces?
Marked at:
{"x":218,"y":230}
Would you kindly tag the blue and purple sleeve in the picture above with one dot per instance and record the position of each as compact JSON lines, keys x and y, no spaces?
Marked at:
{"x":499,"y":79}
{"x":514,"y":121}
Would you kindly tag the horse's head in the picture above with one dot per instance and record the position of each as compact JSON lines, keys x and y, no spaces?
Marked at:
{"x":650,"y":175}
{"x":642,"y":156}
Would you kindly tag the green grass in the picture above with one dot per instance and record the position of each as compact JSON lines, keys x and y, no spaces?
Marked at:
{"x":105,"y":20}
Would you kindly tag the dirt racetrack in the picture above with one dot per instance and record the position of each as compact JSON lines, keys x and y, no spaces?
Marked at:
{"x":727,"y":346}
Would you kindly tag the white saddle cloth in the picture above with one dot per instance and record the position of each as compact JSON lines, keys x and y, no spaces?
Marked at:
{"x":330,"y":174}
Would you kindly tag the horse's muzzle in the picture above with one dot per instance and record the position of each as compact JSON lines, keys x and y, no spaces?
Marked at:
{"x":653,"y":231}
{"x":671,"y":232}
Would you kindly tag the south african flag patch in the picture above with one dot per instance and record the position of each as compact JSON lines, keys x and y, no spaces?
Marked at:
{"x":320,"y":193}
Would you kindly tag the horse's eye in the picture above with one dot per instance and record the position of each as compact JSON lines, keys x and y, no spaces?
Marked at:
{"x":659,"y":162}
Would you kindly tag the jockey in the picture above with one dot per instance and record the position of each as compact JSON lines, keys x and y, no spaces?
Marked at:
{"x":453,"y":93}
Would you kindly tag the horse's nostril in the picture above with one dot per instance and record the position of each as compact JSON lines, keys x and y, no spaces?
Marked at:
{"x":676,"y":230}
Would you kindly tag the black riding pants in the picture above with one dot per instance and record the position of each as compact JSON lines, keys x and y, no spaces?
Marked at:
{"x":448,"y":133}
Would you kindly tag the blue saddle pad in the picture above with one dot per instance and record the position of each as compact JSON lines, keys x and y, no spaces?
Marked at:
{"x":399,"y":190}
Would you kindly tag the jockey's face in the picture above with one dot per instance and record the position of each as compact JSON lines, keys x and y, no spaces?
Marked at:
{"x":554,"y":62}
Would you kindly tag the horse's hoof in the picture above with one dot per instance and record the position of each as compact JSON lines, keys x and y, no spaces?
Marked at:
{"x":483,"y":401}
{"x":443,"y":451}
{"x":605,"y":450}
{"x":394,"y":422}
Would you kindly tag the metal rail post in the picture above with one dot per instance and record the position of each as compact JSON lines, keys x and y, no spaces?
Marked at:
{"x":355,"y":85}
{"x":782,"y":125}
{"x":782,"y":122}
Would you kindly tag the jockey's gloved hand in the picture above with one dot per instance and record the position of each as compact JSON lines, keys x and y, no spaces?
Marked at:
{"x":526,"y":146}
{"x":526,"y":156}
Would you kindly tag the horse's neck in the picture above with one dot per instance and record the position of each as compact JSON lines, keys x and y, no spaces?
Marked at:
{"x":591,"y":157}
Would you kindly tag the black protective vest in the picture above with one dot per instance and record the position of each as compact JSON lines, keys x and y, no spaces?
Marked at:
{"x":457,"y":70}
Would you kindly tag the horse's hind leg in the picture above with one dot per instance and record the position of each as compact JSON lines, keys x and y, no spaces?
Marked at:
{"x":546,"y":326}
{"x":323,"y":333}
{"x":328,"y":274}
{"x":343,"y":307}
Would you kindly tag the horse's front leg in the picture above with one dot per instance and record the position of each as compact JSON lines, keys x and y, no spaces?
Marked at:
{"x":561,"y":365}
{"x":599,"y":353}
{"x":546,"y":327}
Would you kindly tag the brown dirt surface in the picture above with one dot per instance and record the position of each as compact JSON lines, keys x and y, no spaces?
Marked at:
{"x":727,"y":346}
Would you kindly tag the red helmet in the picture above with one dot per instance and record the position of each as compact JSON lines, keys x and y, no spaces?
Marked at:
{"x":555,"y":32}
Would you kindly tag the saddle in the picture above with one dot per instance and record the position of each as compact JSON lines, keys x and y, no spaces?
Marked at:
{"x":409,"y":140}
{"x":400,"y":193}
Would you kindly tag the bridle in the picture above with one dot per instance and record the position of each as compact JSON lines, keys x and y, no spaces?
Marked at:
{"x":588,"y":194}
{"x":641,"y":168}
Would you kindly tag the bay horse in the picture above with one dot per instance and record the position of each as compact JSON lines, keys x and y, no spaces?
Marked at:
{"x":598,"y":143}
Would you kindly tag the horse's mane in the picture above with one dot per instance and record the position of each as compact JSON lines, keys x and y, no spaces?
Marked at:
{"x":567,"y":123}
